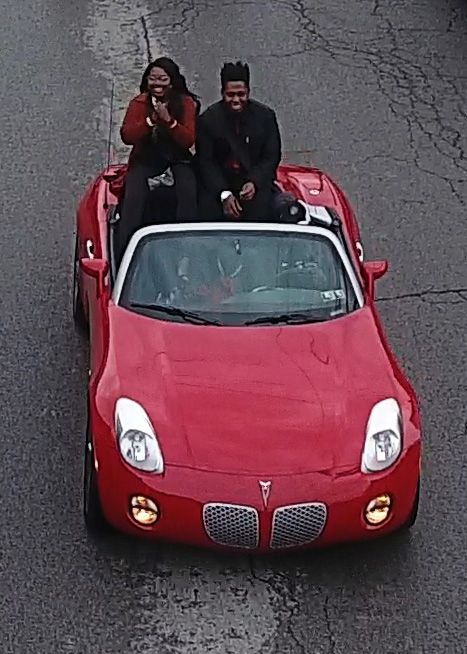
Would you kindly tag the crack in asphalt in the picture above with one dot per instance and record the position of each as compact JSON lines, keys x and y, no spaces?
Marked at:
{"x":410,"y":74}
{"x":146,"y":38}
{"x":404,"y":84}
{"x":285,"y":600}
{"x":188,"y":10}
{"x":327,"y":617}
{"x":427,"y":294}
{"x":282,"y":588}
{"x":453,"y":17}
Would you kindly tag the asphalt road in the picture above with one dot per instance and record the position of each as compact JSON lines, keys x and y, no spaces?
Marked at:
{"x":377,"y":91}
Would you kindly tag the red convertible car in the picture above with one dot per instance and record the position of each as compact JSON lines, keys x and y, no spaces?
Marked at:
{"x":242,"y":393}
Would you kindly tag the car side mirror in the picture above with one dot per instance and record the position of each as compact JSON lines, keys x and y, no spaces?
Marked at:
{"x":97,"y":269}
{"x":374,"y":270}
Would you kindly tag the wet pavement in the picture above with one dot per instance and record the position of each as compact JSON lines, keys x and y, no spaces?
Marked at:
{"x":376,"y":91}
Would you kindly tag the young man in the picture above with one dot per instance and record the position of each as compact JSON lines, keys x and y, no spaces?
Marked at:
{"x":238,"y":150}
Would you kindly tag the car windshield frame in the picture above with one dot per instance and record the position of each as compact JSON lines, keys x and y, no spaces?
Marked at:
{"x":203,"y":227}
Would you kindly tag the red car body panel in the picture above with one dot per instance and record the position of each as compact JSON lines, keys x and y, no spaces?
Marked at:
{"x":236,"y":405}
{"x":208,"y":386}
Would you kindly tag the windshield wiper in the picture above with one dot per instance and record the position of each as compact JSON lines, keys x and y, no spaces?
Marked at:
{"x":286,"y":318}
{"x":188,"y":316}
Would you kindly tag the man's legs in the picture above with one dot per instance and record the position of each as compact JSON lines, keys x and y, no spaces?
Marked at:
{"x":210,"y":207}
{"x":259,"y":208}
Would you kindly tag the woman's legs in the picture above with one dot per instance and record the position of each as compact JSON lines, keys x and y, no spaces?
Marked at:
{"x":133,"y":206}
{"x":136,"y":200}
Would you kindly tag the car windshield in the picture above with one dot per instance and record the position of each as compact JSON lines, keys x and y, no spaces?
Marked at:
{"x":238,"y":277}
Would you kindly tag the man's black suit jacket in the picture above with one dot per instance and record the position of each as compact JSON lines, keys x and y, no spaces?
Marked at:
{"x":257,"y":146}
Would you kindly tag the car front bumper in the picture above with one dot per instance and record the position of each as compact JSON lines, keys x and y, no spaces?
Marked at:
{"x":207,"y":509}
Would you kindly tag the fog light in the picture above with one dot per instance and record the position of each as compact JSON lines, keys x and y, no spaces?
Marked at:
{"x":144,"y":511}
{"x":378,"y":510}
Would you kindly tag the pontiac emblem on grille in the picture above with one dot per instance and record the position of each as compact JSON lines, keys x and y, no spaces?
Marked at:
{"x":265,"y":492}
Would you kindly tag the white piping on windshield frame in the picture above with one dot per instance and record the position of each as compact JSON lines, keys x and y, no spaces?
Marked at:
{"x":321,"y":214}
{"x":234,"y":227}
{"x":317,"y":212}
{"x":359,"y":247}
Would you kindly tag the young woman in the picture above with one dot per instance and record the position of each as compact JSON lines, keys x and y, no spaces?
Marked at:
{"x":160,"y":124}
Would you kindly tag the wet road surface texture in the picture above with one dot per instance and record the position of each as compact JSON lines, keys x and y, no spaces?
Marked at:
{"x":377,"y":92}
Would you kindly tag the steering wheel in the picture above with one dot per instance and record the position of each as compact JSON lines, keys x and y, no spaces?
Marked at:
{"x":258,"y":289}
{"x":283,"y":274}
{"x":311,"y":270}
{"x":298,"y":267}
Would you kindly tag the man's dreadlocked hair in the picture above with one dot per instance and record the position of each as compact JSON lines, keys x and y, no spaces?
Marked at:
{"x":235,"y":72}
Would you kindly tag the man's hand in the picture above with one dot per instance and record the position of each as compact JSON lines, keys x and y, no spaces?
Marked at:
{"x":232,"y":207}
{"x":248,"y":191}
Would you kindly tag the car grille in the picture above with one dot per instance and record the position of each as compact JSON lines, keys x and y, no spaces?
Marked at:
{"x":297,"y":524}
{"x":232,"y":525}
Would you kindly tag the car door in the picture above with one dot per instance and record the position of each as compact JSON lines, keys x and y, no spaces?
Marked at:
{"x":96,"y":282}
{"x":88,"y":237}
{"x":98,"y":303}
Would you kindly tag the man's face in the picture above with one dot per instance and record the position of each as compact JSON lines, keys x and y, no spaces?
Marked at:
{"x":235,"y":96}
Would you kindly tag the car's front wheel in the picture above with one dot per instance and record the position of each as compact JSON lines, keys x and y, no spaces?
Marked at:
{"x":93,"y":514}
{"x":414,"y":512}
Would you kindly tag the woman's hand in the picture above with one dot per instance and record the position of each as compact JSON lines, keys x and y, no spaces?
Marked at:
{"x":161,"y":111}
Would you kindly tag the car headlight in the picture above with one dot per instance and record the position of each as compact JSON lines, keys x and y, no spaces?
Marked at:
{"x":383,"y":442}
{"x":136,"y":437}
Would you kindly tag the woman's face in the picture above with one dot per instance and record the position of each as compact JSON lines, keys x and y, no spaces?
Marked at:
{"x":158,"y":82}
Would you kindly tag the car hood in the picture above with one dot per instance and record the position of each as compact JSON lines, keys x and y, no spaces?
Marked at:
{"x":252,"y":400}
